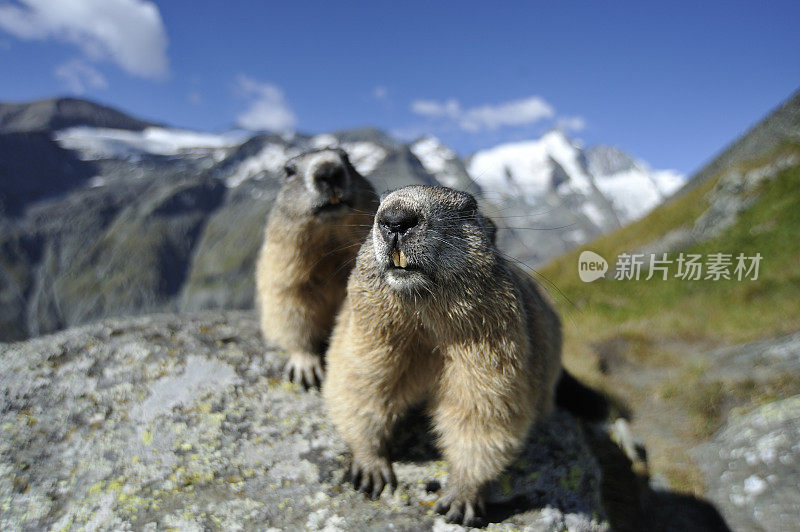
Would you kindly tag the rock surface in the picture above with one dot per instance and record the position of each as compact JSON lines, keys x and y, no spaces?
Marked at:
{"x":752,"y":466}
{"x":183,"y":422}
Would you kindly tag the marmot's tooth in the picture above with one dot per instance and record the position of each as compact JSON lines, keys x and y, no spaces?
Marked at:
{"x":334,"y":199}
{"x":403,"y":261}
{"x":396,"y":258}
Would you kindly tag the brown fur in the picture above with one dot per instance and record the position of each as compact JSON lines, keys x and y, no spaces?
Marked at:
{"x":467,"y":332}
{"x":306,"y":257}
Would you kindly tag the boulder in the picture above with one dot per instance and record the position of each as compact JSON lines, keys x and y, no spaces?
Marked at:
{"x":184,"y":422}
{"x":752,"y":466}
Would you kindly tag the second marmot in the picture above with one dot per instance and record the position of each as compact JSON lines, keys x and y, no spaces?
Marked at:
{"x":322,"y":213}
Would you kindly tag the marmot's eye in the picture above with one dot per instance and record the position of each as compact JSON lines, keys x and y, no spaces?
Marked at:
{"x":290,"y":170}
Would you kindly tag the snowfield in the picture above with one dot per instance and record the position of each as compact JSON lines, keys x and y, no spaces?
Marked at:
{"x":104,"y":143}
{"x":637,"y":191}
{"x":531,"y":168}
{"x":528,"y":164}
{"x":604,"y":185}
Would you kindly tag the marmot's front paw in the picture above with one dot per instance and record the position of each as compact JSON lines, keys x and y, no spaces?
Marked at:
{"x":305,"y":369}
{"x":462,"y":509}
{"x":371,"y":477}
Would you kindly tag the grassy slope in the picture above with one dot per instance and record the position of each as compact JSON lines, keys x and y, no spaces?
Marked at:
{"x":642,"y":340}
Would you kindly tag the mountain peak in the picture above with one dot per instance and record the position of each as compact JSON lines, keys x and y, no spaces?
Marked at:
{"x":52,"y":114}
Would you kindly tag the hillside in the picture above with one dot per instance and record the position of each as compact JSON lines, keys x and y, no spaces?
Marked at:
{"x":693,"y":358}
{"x":60,"y":113}
{"x":780,"y":127}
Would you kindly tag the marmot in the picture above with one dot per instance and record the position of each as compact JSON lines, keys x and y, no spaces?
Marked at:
{"x":319,"y":220}
{"x":435,"y":313}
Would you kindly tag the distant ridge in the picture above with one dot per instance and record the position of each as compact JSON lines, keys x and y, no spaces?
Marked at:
{"x":59,"y":113}
{"x":103,"y":215}
{"x":779,"y":127}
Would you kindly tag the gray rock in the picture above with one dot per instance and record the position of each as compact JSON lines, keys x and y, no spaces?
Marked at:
{"x":733,"y":194}
{"x":221,"y":272}
{"x":607,"y":160}
{"x":183,"y":422}
{"x":58,"y":113}
{"x":34,"y":167}
{"x":752,"y":466}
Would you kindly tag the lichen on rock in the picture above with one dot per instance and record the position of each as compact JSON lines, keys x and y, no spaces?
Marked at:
{"x":752,"y":465}
{"x":184,"y":422}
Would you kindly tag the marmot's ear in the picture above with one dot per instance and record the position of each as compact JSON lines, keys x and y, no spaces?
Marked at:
{"x":468,"y":202}
{"x":491,"y":229}
{"x":289,"y":170}
{"x":344,"y":156}
{"x":386,"y":193}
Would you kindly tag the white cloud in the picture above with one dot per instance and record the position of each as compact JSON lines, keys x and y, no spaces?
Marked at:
{"x":79,"y":76}
{"x":571,"y":123}
{"x":450,"y":109}
{"x":268,"y":108}
{"x":127,"y":32}
{"x":491,"y":117}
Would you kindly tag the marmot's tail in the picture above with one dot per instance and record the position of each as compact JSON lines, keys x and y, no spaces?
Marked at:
{"x":580,"y":400}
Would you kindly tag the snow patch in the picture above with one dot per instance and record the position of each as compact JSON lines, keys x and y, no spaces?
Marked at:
{"x":324,"y":141}
{"x":365,"y":156}
{"x":105,"y":143}
{"x":637,"y":191}
{"x":437,"y":159}
{"x":433,"y":155}
{"x":270,"y":158}
{"x":594,"y":214}
{"x":529,"y":165}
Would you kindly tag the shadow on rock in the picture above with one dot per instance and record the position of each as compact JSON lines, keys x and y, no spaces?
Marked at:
{"x":633,"y":505}
{"x":555,"y":479}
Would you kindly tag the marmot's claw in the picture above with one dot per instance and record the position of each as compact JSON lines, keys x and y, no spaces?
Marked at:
{"x":371,"y":479}
{"x":461,"y":510}
{"x":305,"y":369}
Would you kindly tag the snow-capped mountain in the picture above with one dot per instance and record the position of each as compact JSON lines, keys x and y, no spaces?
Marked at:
{"x":611,"y":186}
{"x":550,"y":194}
{"x":632,"y":186}
{"x":83,"y":188}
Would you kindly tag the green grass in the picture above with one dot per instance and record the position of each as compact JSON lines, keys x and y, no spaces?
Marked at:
{"x":642,"y":341}
{"x":727,"y":310}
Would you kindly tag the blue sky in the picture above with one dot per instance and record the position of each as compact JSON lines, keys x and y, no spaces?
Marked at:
{"x":670,"y":83}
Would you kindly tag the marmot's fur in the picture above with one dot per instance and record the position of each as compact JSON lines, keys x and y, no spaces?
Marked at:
{"x":435,"y":313}
{"x":322,"y":213}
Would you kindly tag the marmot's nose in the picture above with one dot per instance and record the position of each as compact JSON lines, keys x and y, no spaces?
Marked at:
{"x":331,"y":174}
{"x":396,"y":222}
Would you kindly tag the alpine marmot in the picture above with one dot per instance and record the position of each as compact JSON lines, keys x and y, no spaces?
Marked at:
{"x":435,"y":314}
{"x":320,"y":218}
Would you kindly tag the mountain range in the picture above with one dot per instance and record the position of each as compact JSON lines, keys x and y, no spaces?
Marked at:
{"x":103,"y":214}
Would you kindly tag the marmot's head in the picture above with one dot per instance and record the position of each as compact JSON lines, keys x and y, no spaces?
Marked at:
{"x":322,"y":183}
{"x":427,"y":237}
